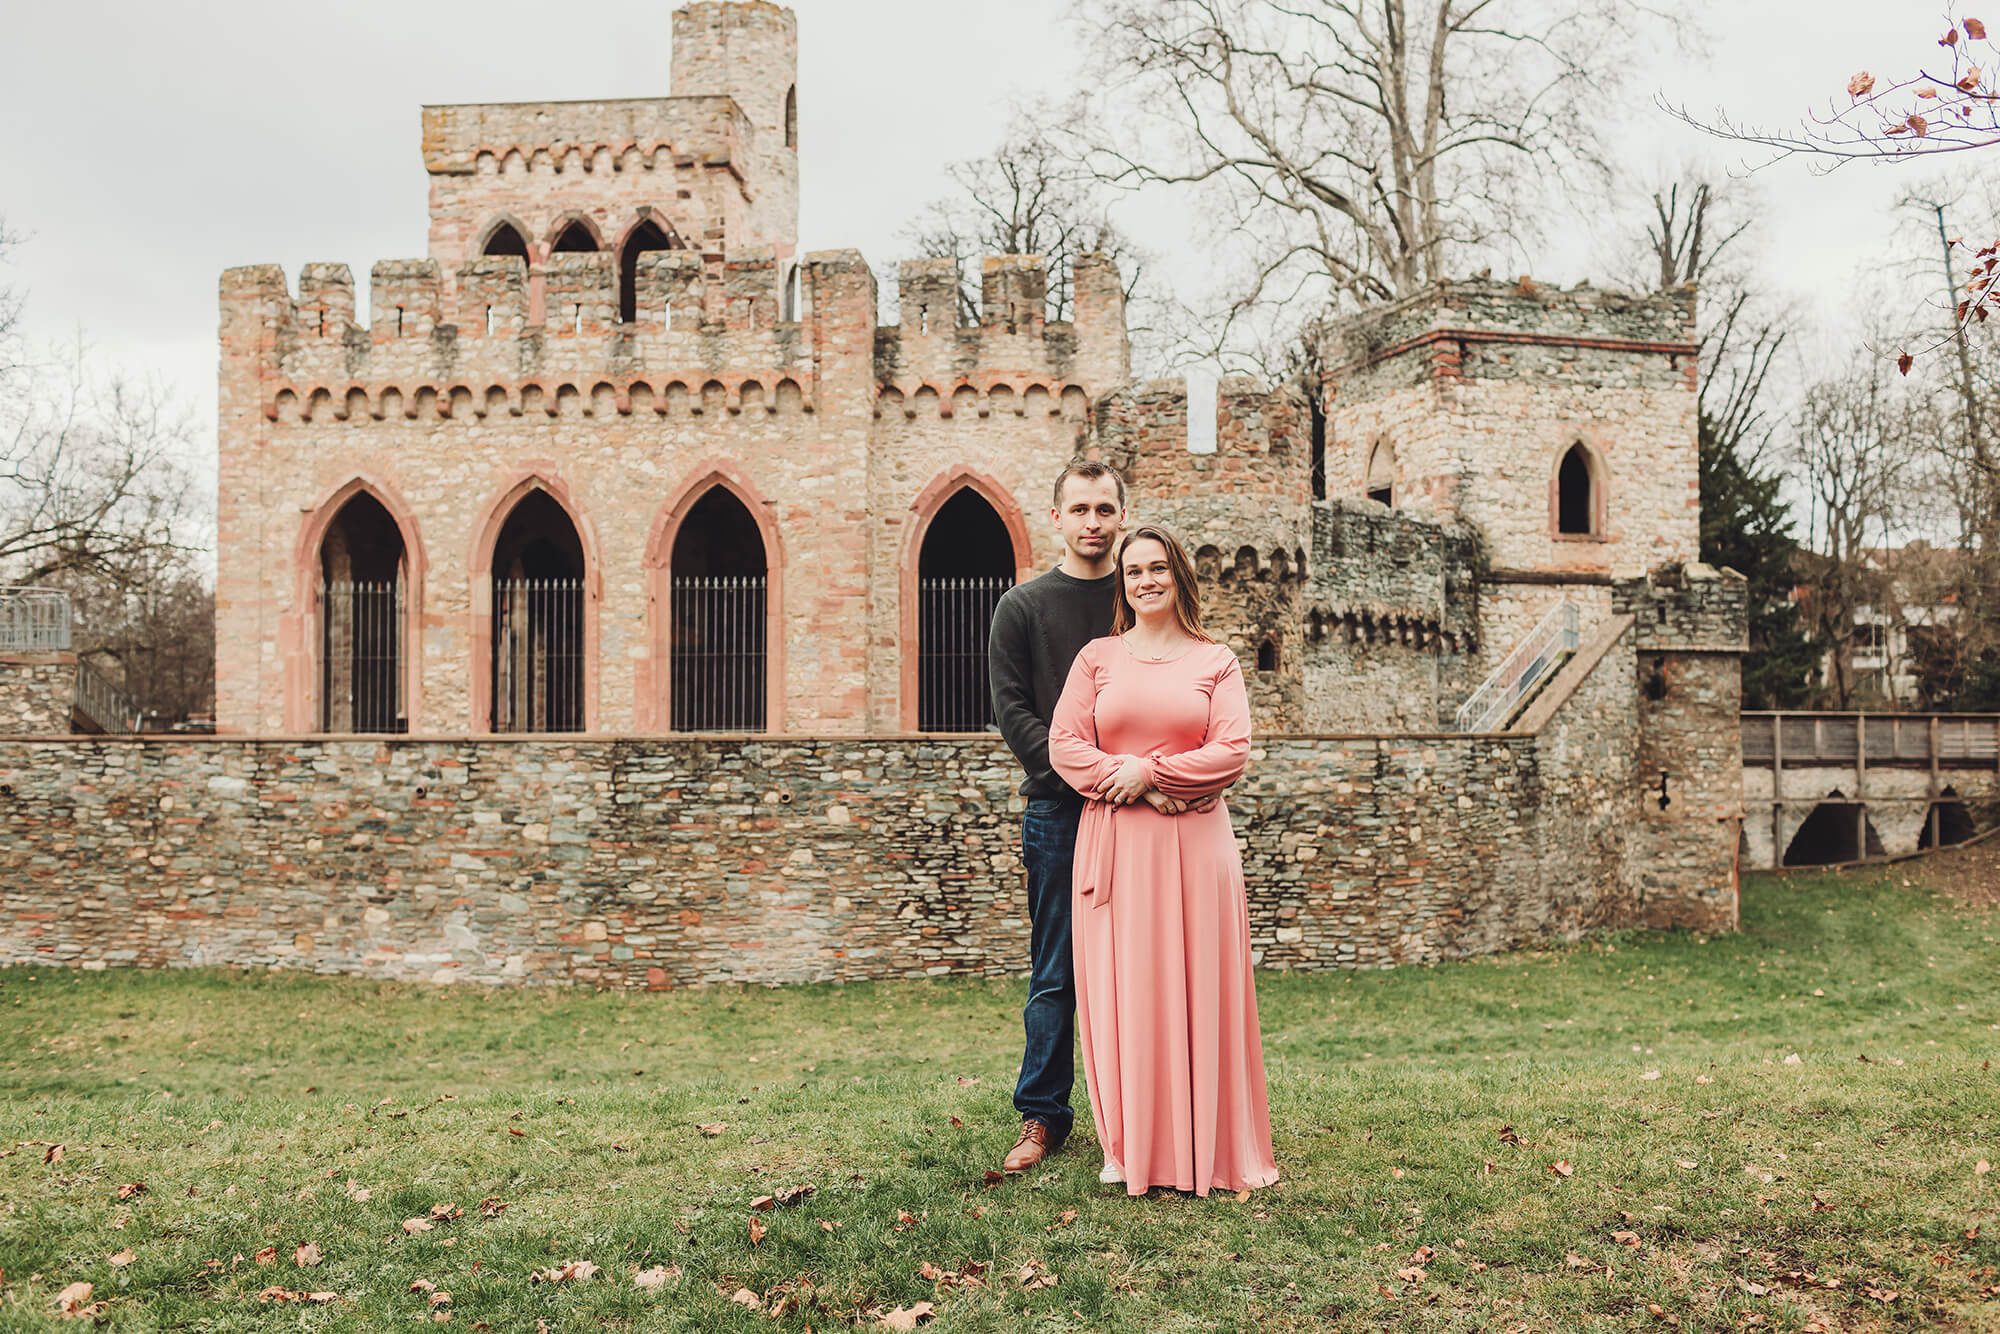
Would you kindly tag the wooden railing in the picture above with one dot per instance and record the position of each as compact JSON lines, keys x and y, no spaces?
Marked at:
{"x":1914,"y":740}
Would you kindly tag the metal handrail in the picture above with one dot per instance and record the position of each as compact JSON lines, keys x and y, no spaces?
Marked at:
{"x":1553,"y":638}
{"x":34,"y":620}
{"x":102,"y":704}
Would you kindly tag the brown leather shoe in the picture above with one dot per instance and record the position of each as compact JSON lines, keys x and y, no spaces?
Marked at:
{"x":1031,"y":1148}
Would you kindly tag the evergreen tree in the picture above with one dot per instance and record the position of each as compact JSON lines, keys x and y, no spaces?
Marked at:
{"x":1745,"y":526}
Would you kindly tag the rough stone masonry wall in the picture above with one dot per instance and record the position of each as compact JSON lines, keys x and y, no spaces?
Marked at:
{"x":1394,"y":618}
{"x":36,"y":692}
{"x":663,"y":863}
{"x":1690,"y":629}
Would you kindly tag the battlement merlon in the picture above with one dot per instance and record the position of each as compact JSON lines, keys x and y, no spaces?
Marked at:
{"x":1013,"y":338}
{"x":1686,"y":608}
{"x":698,"y":319}
{"x":1480,"y":329}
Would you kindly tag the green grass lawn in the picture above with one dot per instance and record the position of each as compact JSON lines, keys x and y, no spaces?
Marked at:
{"x":1780,"y":1129}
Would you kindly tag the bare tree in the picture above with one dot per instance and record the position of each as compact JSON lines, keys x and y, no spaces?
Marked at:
{"x":91,"y":477}
{"x":1857,"y":451}
{"x":1028,"y":197}
{"x":1695,"y":233}
{"x":1354,"y":151}
{"x":1949,"y":104}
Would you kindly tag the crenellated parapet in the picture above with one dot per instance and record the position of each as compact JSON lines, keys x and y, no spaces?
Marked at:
{"x":707,"y":335}
{"x":1685,"y":608}
{"x":1383,"y":576}
{"x":1480,"y":329}
{"x":1012,"y":343}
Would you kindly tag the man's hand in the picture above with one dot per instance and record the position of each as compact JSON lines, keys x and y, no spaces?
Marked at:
{"x":1206,"y":804}
{"x":1125,"y":786}
{"x":1163,"y":803}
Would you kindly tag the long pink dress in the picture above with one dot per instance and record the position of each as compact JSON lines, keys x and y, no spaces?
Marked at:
{"x":1160,"y":927}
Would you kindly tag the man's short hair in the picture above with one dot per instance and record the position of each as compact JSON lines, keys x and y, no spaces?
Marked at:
{"x":1088,"y":469}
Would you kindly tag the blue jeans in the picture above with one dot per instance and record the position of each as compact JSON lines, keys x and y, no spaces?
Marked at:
{"x":1048,"y":1065}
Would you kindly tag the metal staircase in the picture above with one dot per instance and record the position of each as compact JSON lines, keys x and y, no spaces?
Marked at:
{"x":1533,"y":661}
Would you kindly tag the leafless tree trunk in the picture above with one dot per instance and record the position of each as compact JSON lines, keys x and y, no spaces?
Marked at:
{"x":1857,"y":450}
{"x":1355,"y":151}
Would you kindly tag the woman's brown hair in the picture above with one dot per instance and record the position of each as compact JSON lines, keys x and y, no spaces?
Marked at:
{"x":1187,"y":594}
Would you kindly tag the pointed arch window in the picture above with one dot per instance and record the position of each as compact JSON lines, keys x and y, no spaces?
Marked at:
{"x":363,"y":581}
{"x":648,"y":235}
{"x":965,"y":564}
{"x":1579,"y":494}
{"x":1381,"y":478}
{"x":538,"y":620}
{"x":573,"y":239}
{"x":506,"y":241}
{"x":719,"y":588}
{"x":792,"y":116}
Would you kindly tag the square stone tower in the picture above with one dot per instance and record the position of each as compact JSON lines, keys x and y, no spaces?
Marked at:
{"x":1561,"y":424}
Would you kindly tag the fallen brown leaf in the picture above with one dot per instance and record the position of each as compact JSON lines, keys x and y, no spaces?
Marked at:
{"x":267,"y":1256}
{"x":53,"y":1156}
{"x":119,"y":1259}
{"x":306,"y":1255}
{"x":416,"y":1225}
{"x":130,"y":1189}
{"x":1562,"y":1168}
{"x":563,"y":1273}
{"x":712,"y":1128}
{"x":756,"y":1229}
{"x":907,"y":1317}
{"x":649,"y":1279}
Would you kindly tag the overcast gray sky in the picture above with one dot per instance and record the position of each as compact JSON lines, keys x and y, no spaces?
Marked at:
{"x":151,"y":146}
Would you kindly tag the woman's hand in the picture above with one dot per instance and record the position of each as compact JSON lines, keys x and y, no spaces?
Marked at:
{"x":1163,"y":803}
{"x":1127,"y":785}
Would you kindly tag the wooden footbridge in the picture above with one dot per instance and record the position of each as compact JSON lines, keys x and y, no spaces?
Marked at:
{"x":1821,"y":788}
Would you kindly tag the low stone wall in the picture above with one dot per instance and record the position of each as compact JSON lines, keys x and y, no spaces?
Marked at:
{"x":36,"y":692}
{"x":654,"y":863}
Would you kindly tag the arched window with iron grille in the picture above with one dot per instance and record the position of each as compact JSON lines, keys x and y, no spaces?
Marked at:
{"x":538,"y":611}
{"x":363,"y":581}
{"x":965,"y":564}
{"x":719,"y":589}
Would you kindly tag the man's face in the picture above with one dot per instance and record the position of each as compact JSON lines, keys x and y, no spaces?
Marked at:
{"x":1090,"y":516}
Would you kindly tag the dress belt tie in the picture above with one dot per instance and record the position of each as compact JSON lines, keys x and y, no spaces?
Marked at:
{"x":1097,"y":869}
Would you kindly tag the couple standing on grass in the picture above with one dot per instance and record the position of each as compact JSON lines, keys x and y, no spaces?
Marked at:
{"x":1140,"y":927}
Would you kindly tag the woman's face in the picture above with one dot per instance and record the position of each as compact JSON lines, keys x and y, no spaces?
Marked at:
{"x":1149,"y":580}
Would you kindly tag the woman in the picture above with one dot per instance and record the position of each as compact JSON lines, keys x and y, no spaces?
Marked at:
{"x":1154,"y":718}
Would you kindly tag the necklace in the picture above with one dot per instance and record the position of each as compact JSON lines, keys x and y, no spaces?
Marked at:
{"x":1161,"y":657}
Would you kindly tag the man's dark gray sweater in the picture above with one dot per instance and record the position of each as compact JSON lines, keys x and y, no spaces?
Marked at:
{"x":1038,"y":629}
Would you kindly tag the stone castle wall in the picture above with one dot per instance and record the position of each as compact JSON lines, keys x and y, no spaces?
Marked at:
{"x":663,"y":863}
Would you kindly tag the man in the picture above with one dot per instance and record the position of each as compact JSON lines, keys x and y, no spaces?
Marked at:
{"x":1038,"y":629}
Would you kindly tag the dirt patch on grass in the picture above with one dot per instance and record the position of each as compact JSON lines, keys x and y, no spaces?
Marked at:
{"x":1967,"y":874}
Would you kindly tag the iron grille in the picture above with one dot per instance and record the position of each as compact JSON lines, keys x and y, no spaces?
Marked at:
{"x":538,"y":655}
{"x":361,"y":657}
{"x":954,"y":619}
{"x":719,"y":653}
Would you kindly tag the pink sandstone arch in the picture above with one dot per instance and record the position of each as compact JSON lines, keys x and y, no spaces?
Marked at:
{"x":654,"y":688}
{"x":922,"y":510}
{"x":298,"y":645}
{"x":546,"y":477}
